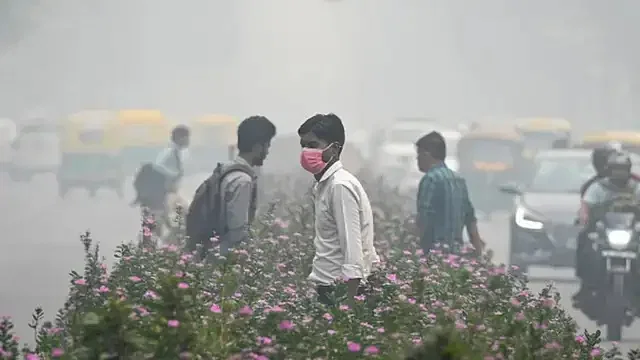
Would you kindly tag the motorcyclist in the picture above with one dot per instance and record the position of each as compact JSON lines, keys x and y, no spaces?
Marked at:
{"x":615,"y":180}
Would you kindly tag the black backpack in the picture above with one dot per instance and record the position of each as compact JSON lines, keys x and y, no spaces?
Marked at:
{"x":150,"y":186}
{"x":203,"y":216}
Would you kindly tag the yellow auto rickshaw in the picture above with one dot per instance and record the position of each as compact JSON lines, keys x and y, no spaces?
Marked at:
{"x":144,"y":134}
{"x":489,"y":157}
{"x":90,"y":146}
{"x":544,"y":133}
{"x":213,"y":140}
{"x":628,"y":140}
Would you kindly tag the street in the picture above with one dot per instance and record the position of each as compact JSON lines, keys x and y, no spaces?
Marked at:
{"x":40,"y":238}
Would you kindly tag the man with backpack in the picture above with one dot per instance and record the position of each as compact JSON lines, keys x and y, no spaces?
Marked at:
{"x":157,"y":181}
{"x":224,"y":205}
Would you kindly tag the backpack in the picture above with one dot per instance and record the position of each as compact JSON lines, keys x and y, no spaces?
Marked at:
{"x":150,"y":186}
{"x":204,"y":217}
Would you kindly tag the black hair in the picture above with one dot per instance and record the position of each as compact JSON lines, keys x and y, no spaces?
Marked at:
{"x":179,"y":132}
{"x":327,"y":127}
{"x":434,"y":144}
{"x":255,"y":130}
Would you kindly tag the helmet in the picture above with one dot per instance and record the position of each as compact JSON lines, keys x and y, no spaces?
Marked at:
{"x":619,"y":161}
{"x":600,"y":157}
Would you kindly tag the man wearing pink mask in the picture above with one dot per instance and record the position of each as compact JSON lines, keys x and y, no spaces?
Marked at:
{"x":343,"y":215}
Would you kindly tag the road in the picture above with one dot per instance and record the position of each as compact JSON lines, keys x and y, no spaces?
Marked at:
{"x":40,"y":238}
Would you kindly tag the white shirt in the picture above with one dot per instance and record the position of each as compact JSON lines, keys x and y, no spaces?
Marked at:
{"x":343,"y":227}
{"x":169,"y":162}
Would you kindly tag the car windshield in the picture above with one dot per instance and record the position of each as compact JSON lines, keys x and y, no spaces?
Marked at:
{"x":539,"y":140}
{"x":561,"y":174}
{"x":494,"y":151}
{"x":404,"y":136}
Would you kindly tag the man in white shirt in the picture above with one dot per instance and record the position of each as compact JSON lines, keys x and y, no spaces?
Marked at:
{"x":343,"y":216}
{"x":169,"y":164}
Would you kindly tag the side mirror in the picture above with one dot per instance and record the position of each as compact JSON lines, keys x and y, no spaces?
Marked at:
{"x":511,"y":189}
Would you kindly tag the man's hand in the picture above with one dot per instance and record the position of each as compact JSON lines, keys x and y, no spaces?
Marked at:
{"x":478,"y":245}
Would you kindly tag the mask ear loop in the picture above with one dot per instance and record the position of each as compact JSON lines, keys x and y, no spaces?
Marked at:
{"x":329,"y":146}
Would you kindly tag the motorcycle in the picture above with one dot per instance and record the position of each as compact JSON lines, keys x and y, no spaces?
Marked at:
{"x":615,"y":238}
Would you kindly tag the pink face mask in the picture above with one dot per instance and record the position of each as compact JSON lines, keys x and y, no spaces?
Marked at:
{"x":311,"y":160}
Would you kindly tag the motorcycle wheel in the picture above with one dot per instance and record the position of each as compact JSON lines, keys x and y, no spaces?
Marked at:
{"x":614,"y":325}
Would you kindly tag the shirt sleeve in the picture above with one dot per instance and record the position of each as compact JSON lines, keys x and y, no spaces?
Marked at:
{"x":346,"y":212}
{"x":237,"y":194}
{"x":164,"y":163}
{"x":424,"y":201}
{"x":469,"y":211}
{"x":592,"y":195}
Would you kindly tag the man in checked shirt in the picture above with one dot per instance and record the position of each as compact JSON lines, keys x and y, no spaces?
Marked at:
{"x":444,"y":207}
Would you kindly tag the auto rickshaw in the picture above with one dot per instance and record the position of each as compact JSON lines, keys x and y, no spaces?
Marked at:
{"x":488,"y":158}
{"x":628,"y":140}
{"x":144,"y":134}
{"x":544,"y":133}
{"x":90,"y":153}
{"x":213,"y":140}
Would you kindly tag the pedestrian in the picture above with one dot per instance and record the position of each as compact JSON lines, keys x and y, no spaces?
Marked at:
{"x":157,"y":183}
{"x":443,"y":204}
{"x":225,"y":205}
{"x":343,"y":217}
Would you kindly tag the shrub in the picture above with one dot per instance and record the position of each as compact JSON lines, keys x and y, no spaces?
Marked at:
{"x":159,"y":303}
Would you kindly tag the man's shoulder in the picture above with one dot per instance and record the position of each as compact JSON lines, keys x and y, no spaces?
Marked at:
{"x":345,"y":179}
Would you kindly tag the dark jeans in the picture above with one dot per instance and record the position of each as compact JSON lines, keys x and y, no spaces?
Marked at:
{"x":326,"y":293}
{"x":587,"y":269}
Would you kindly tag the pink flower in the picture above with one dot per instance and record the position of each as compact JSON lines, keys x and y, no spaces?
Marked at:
{"x":263,"y":340}
{"x":371,"y":350}
{"x":57,"y":352}
{"x":215,"y":308}
{"x":380,"y":330}
{"x":580,"y":339}
{"x":552,"y":345}
{"x":173,"y":323}
{"x":520,"y":316}
{"x":331,"y":332}
{"x":344,"y":307}
{"x":353,"y":346}
{"x":150,"y":294}
{"x":286,"y":325}
{"x":135,"y":279}
{"x":31,"y":356}
{"x":183,"y":285}
{"x":80,"y":282}
{"x":327,"y":317}
{"x":596,"y":352}
{"x":549,"y":303}
{"x":103,"y":289}
{"x":275,"y":309}
{"x":245,"y":311}
{"x":392,"y":277}
{"x":515,"y":302}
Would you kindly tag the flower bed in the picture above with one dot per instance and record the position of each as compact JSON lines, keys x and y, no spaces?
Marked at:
{"x":158,"y":303}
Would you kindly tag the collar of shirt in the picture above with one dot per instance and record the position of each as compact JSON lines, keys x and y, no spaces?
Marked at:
{"x":437,"y":166}
{"x":331,"y":170}
{"x":241,"y":160}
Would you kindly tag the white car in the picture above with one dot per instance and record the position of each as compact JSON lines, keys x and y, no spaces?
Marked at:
{"x":397,"y":156}
{"x":36,"y":150}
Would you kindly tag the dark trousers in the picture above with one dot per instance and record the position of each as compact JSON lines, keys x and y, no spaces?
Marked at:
{"x":327,"y":296}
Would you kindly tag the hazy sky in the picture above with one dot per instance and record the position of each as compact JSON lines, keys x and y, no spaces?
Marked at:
{"x":367,"y":60}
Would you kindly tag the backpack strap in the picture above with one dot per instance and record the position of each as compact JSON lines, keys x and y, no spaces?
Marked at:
{"x":226,"y":170}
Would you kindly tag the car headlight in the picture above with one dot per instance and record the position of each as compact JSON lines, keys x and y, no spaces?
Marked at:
{"x":619,"y":239}
{"x":525,"y":220}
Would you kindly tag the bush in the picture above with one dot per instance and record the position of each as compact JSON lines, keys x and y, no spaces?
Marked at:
{"x":159,"y":303}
